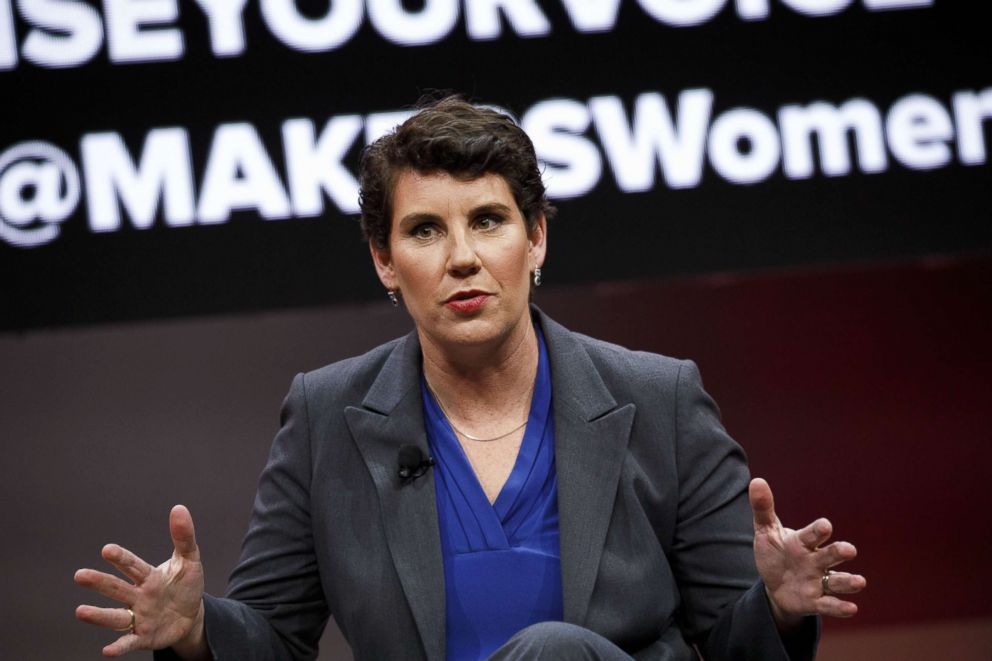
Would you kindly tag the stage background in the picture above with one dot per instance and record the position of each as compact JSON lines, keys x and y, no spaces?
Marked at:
{"x":794,"y":194}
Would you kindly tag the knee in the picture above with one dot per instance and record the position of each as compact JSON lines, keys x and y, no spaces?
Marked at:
{"x":553,"y":633}
{"x":560,"y":640}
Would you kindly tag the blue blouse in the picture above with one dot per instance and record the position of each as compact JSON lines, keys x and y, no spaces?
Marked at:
{"x":502,"y":566}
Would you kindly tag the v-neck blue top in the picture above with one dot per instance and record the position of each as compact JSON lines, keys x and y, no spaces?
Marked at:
{"x":502,"y":564}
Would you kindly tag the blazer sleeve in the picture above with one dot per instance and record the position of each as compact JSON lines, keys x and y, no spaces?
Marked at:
{"x":725,"y":611}
{"x":275,"y":607}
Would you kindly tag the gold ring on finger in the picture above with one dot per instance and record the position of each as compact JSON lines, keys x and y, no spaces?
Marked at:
{"x":130,"y":627}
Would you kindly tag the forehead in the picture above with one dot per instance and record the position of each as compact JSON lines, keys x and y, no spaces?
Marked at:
{"x":442,"y":194}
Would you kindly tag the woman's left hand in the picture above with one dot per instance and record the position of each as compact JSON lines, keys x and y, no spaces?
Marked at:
{"x":793,"y":563}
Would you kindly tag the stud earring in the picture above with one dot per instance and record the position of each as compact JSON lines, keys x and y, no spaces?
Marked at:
{"x":393,"y":298}
{"x":537,"y":277}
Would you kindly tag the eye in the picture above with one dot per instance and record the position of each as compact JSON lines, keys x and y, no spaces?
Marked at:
{"x":424,"y":231}
{"x":488,"y":222}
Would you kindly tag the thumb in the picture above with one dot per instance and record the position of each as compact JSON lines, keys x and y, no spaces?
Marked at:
{"x":762,"y":503}
{"x":183,"y":534}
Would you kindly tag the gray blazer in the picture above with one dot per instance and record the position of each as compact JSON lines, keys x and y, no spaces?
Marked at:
{"x":655,"y":525}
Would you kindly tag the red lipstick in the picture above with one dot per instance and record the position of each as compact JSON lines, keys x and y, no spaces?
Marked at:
{"x":467,"y":302}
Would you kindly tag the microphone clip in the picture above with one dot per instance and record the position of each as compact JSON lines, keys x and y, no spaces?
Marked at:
{"x":413,"y":463}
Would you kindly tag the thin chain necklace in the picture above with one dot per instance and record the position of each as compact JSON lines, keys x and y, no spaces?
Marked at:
{"x":469,"y":436}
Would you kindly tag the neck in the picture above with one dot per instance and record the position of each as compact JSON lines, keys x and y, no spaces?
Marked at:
{"x":484,"y":382}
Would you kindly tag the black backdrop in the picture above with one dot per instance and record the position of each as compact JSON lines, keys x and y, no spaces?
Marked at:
{"x":791,"y":56}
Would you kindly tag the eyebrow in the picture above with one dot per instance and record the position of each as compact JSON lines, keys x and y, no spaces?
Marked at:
{"x":491,"y":207}
{"x":417,"y":217}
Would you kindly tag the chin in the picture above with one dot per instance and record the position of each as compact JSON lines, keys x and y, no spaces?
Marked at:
{"x":475,"y":332}
{"x":472,"y":336}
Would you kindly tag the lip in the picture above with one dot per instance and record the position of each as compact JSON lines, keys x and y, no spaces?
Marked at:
{"x":467,"y":302}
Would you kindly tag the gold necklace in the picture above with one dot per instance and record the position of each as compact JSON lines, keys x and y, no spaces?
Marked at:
{"x":469,"y":436}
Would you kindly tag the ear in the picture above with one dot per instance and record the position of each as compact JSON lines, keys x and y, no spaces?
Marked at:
{"x":384,"y":267}
{"x":538,"y":242}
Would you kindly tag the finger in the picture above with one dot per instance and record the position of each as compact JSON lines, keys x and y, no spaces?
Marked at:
{"x":126,"y":643}
{"x":836,"y":553}
{"x":106,"y":584}
{"x":762,"y":503}
{"x":844,"y":583}
{"x":816,"y":533}
{"x":833,"y":607}
{"x":117,"y":619}
{"x":128,"y":563}
{"x":183,"y":533}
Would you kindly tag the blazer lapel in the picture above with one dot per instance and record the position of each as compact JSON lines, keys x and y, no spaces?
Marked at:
{"x":391,"y":416}
{"x":591,"y":437}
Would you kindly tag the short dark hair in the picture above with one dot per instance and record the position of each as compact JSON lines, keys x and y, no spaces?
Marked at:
{"x":454,"y":136}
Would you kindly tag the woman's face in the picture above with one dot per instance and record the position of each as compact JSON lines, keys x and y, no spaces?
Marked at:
{"x":461,"y":257}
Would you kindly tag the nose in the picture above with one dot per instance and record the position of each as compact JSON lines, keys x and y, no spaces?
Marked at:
{"x":463,"y":259}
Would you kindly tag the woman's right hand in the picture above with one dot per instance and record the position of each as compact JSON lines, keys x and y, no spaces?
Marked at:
{"x":167,"y":601}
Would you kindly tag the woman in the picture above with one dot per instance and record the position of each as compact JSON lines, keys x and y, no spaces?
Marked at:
{"x":585,"y":501}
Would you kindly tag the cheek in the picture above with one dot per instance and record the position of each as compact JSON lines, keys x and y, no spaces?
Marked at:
{"x":416,"y":275}
{"x":514,"y":268}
